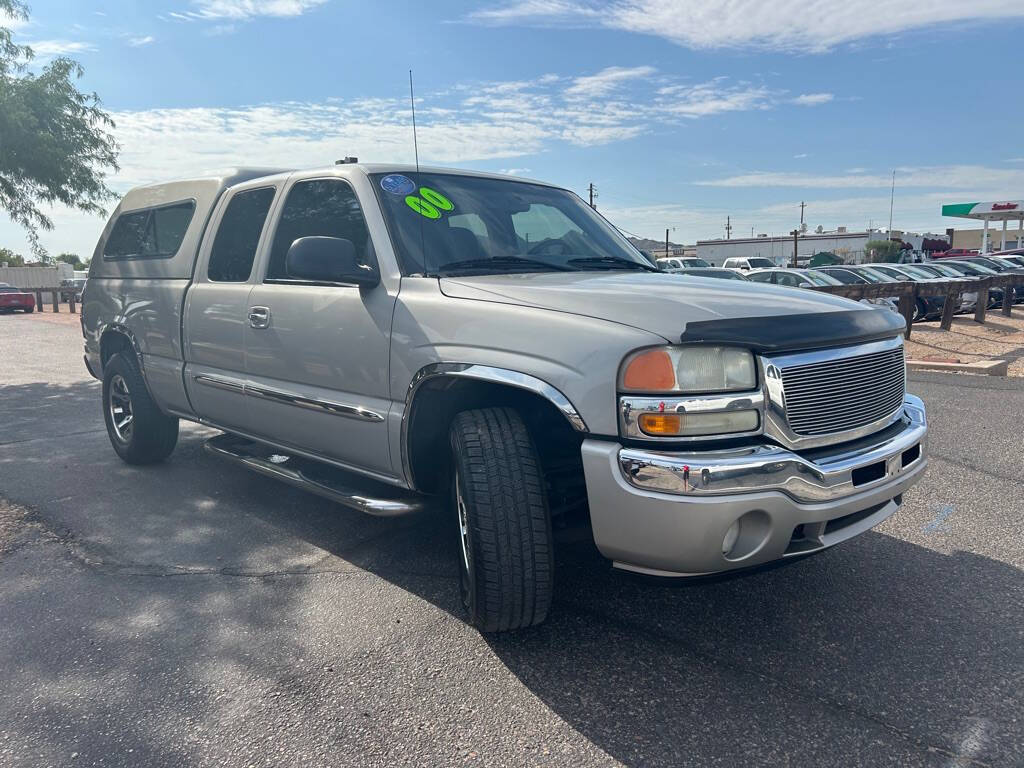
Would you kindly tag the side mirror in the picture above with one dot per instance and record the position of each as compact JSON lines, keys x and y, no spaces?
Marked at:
{"x":805,"y":284}
{"x":328,"y":260}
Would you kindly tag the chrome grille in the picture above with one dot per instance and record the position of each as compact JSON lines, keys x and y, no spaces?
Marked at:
{"x":843,"y":394}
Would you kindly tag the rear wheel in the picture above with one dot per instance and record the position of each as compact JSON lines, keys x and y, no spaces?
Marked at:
{"x":138,"y":429}
{"x":503,"y":526}
{"x":920,"y":311}
{"x":31,"y":308}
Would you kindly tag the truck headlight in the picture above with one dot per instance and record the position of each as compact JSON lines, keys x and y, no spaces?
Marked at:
{"x":697,"y":369}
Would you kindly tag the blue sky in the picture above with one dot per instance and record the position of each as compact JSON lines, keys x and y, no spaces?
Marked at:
{"x":680,"y":113}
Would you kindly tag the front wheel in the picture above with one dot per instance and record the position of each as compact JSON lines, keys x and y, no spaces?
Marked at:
{"x":138,"y":429}
{"x":503,"y":525}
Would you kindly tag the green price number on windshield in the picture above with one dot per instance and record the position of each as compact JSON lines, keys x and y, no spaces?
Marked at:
{"x":429,"y":203}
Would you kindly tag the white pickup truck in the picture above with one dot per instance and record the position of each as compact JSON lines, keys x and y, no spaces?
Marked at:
{"x":381,"y":335}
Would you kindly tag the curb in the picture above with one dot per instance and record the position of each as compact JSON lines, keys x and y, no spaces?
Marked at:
{"x":985,"y":367}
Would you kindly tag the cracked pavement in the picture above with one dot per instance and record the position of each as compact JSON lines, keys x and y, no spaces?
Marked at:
{"x":197,"y":614}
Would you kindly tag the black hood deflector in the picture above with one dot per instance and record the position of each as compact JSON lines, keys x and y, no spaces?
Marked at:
{"x":790,"y":333}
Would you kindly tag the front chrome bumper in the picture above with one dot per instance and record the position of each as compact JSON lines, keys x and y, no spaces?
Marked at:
{"x":668,"y":513}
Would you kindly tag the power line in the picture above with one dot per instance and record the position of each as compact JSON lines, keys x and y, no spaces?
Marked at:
{"x":593,"y":193}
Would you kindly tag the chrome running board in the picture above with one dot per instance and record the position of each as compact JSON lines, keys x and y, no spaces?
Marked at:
{"x":345,"y":488}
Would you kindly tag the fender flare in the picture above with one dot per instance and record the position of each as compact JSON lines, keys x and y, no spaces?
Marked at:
{"x":490,"y":374}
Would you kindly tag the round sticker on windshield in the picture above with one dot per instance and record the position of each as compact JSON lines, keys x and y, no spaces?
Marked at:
{"x":397,"y":184}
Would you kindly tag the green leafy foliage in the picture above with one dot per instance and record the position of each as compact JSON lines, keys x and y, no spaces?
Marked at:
{"x":55,"y":142}
{"x":73,"y":260}
{"x":883,"y":251}
{"x":12,"y":259}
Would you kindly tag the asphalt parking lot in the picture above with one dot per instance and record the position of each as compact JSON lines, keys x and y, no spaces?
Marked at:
{"x":196,"y":614}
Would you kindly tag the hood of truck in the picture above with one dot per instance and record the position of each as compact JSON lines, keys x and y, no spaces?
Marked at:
{"x":685,"y":307}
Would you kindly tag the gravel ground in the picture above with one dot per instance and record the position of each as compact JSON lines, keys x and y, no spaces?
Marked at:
{"x":967,"y":341}
{"x":195,"y":614}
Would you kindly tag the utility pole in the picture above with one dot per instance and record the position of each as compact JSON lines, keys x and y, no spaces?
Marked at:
{"x":795,"y":233}
{"x":593,"y":194}
{"x":728,"y":227}
{"x":666,"y":242}
{"x":892,"y":196}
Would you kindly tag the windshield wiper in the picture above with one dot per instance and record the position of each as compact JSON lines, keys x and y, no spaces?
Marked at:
{"x":613,"y":262}
{"x":503,"y":261}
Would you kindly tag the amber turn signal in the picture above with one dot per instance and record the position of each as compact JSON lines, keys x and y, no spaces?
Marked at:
{"x":661,"y":423}
{"x":650,"y":371}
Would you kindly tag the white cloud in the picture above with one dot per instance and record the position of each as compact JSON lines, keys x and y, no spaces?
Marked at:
{"x":796,"y":26}
{"x":47,"y":48}
{"x":713,"y":97}
{"x":813,"y":99}
{"x":138,"y":42}
{"x":947,"y":177}
{"x":514,"y":171}
{"x":606,"y":81}
{"x":467,"y":124}
{"x":800,"y":156}
{"x":242,"y":10}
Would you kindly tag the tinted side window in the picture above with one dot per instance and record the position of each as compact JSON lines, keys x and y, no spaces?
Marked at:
{"x":238,"y":235}
{"x":152,"y":232}
{"x":128,"y":237}
{"x":318,"y":208}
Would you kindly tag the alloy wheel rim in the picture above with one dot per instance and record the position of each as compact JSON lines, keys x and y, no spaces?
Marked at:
{"x":120,"y":405}
{"x":463,"y":517}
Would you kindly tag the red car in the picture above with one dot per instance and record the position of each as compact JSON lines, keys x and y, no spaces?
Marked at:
{"x":11,"y":299}
{"x":955,"y":253}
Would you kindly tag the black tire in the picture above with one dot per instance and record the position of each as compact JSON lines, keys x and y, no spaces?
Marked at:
{"x":149,"y":435}
{"x":30,"y":310}
{"x":506,"y":555}
{"x":920,"y":311}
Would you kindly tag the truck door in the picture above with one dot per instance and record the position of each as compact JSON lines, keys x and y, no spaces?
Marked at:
{"x":317,"y":354}
{"x":216,"y":310}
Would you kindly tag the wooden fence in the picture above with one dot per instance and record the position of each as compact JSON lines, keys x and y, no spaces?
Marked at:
{"x":55,"y":294}
{"x":908,"y":293}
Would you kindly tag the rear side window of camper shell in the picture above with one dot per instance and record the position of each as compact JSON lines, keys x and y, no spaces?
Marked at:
{"x":150,"y":232}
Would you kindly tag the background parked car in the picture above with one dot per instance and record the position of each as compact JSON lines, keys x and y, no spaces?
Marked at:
{"x":676,"y":263}
{"x":12,"y":299}
{"x":725,"y":274}
{"x":744,"y":264}
{"x":926,"y":307}
{"x":979,"y":268}
{"x":916,"y":273}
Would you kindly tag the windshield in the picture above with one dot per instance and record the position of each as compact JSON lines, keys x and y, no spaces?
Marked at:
{"x":695,"y":263}
{"x":761,"y":263}
{"x":8,"y":289}
{"x":974,"y":268}
{"x":943,"y":270}
{"x":446,"y":224}
{"x":915,"y":271}
{"x":874,"y":276}
{"x":819,"y":278}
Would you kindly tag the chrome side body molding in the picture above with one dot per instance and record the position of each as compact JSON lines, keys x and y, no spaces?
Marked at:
{"x":288,"y":398}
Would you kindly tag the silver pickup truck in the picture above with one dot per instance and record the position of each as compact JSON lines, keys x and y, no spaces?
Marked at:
{"x":380,"y":335}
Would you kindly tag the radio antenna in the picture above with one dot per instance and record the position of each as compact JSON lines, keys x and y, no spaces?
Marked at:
{"x":415,"y":143}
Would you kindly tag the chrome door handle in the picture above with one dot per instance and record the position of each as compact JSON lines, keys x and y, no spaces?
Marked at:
{"x":259,"y":317}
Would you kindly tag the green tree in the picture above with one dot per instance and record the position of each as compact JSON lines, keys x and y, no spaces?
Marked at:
{"x":73,"y":260}
{"x":11,"y":258}
{"x":883,"y":251}
{"x":55,"y":142}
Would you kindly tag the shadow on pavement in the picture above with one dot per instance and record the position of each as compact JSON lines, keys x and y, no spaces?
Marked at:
{"x":876,"y":652}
